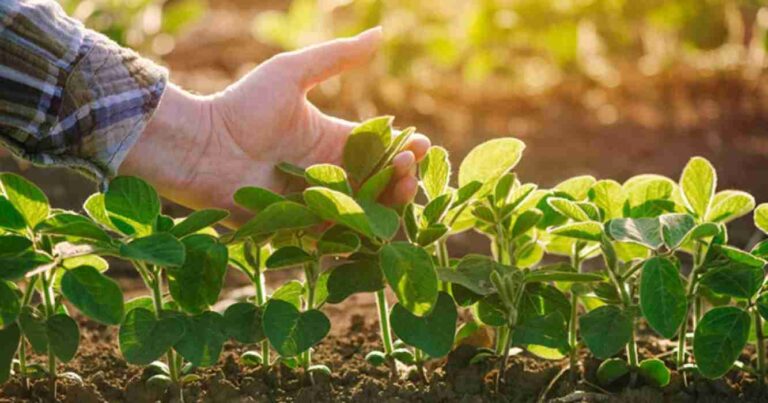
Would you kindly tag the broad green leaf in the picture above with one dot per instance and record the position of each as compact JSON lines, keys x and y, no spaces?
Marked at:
{"x":94,"y":294}
{"x":472,"y":272}
{"x":243,"y":322}
{"x":396,"y":146}
{"x":552,"y":217}
{"x":9,"y":343}
{"x":675,"y":228}
{"x":610,"y":197}
{"x":541,"y":276}
{"x":329,"y":176}
{"x":132,"y":205}
{"x":642,"y":231}
{"x":735,"y":279}
{"x":606,"y":330}
{"x":433,"y":333}
{"x":292,"y":332}
{"x":10,"y":217}
{"x":366,"y":146}
{"x":256,"y":199}
{"x":28,"y":199}
{"x":198,"y":220}
{"x":204,"y":337}
{"x":577,"y":187}
{"x":143,"y":338}
{"x":10,"y":306}
{"x":529,"y":254}
{"x":63,"y":336}
{"x":761,"y":217}
{"x":13,"y":268}
{"x":139,"y":302}
{"x":339,"y":208}
{"x":547,"y":330}
{"x":611,"y":370}
{"x":698,"y":183}
{"x":337,"y":241}
{"x":284,"y":215}
{"x":649,"y":195}
{"x":436,"y":209}
{"x":290,"y":169}
{"x":410,"y":272}
{"x":358,"y":276}
{"x":729,"y":205}
{"x":288,"y":256}
{"x":73,"y":226}
{"x":161,"y":249}
{"x":568,"y":208}
{"x":32,"y":324}
{"x":762,"y":306}
{"x":435,"y":172}
{"x":489,"y":160}
{"x":196,"y":284}
{"x":719,"y":339}
{"x":655,"y":372}
{"x":290,"y":292}
{"x":525,"y":221}
{"x":384,"y":222}
{"x":95,"y":208}
{"x":490,"y":310}
{"x":503,"y":187}
{"x":431,"y":234}
{"x":14,"y":245}
{"x":466,"y":193}
{"x":662,"y":296}
{"x":587,"y":231}
{"x":376,"y":184}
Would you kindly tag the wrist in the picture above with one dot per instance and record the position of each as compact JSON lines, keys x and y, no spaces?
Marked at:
{"x":167,"y":150}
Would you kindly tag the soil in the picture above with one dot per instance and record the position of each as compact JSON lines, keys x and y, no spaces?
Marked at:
{"x":107,"y":378}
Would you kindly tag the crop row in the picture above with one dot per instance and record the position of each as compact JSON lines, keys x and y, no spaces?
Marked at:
{"x":660,"y":252}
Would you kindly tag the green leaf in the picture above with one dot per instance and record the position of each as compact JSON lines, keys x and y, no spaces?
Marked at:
{"x":431,"y":234}
{"x":10,"y":217}
{"x":161,"y":249}
{"x":542,"y":276}
{"x":568,"y":208}
{"x":489,"y":160}
{"x":10,"y":306}
{"x":284,"y":215}
{"x":761,"y":217}
{"x":587,"y":231}
{"x":94,"y":294}
{"x":290,"y":292}
{"x":339,"y":208}
{"x":411,"y":274}
{"x":288,"y":256}
{"x":662,"y":296}
{"x":762,"y":306}
{"x":95,"y":208}
{"x":362,"y":275}
{"x":256,"y":199}
{"x":338,"y":241}
{"x":729,"y":205}
{"x":719,"y":338}
{"x":292,"y":332}
{"x":329,"y":176}
{"x":734,"y":279}
{"x":139,"y":302}
{"x":204,"y":337}
{"x":432,"y":333}
{"x":675,"y":228}
{"x":610,"y":197}
{"x":376,"y":184}
{"x":366,"y":146}
{"x":648,"y":195}
{"x":198,"y":220}
{"x":143,"y":338}
{"x":28,"y":199}
{"x":435,"y":172}
{"x":642,"y":231}
{"x":472,"y":272}
{"x":698,"y":183}
{"x":384,"y":221}
{"x":655,"y":372}
{"x":548,"y":330}
{"x":606,"y":330}
{"x":196,"y":284}
{"x":13,"y":268}
{"x":9,"y":343}
{"x":290,"y":169}
{"x":33,"y":327}
{"x":73,"y":226}
{"x":132,"y":205}
{"x":63,"y":336}
{"x":611,"y":370}
{"x":490,"y":310}
{"x":243,"y":322}
{"x":577,"y":187}
{"x":436,"y":209}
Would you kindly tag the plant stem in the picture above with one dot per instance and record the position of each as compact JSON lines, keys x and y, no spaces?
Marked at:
{"x":573,"y":329}
{"x":253,"y":255}
{"x":626,"y":300}
{"x":692,"y":280}
{"x":418,"y":356}
{"x":310,"y":272}
{"x":386,"y":334}
{"x":26,"y":299}
{"x":504,"y":357}
{"x":760,"y":346}
{"x":443,"y":260}
{"x":156,"y":285}
{"x":48,"y":302}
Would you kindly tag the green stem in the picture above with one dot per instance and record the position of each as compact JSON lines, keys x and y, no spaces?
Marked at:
{"x":505,"y":356}
{"x":760,"y":346}
{"x":384,"y":328}
{"x":156,"y":284}
{"x":692,"y":280}
{"x":626,"y":300}
{"x":310,"y":272}
{"x":48,"y":302}
{"x":26,"y":299}
{"x":253,"y":255}
{"x":573,"y":336}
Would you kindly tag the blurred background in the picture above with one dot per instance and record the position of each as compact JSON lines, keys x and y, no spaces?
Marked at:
{"x":610,"y":88}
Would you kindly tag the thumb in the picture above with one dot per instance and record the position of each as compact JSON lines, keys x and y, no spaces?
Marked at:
{"x":320,"y":62}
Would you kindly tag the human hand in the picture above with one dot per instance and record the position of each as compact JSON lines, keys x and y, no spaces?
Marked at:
{"x":198,"y":150}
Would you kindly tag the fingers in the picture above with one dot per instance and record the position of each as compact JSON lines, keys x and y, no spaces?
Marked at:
{"x":400,"y":191}
{"x":418,"y":144}
{"x":320,"y":62}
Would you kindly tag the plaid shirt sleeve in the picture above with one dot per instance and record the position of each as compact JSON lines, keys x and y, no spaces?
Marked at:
{"x":70,"y":96}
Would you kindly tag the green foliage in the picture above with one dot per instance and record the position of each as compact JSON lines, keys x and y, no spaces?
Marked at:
{"x":606,"y":330}
{"x":719,"y":339}
{"x":292,"y":332}
{"x":433,"y":333}
{"x":662,"y":296}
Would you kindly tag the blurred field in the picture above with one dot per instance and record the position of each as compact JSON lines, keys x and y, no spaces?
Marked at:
{"x":607,"y":88}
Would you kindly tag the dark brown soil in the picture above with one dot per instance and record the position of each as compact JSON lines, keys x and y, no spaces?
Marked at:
{"x":106,"y":377}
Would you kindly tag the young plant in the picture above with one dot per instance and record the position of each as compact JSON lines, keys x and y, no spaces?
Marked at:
{"x":54,"y":251}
